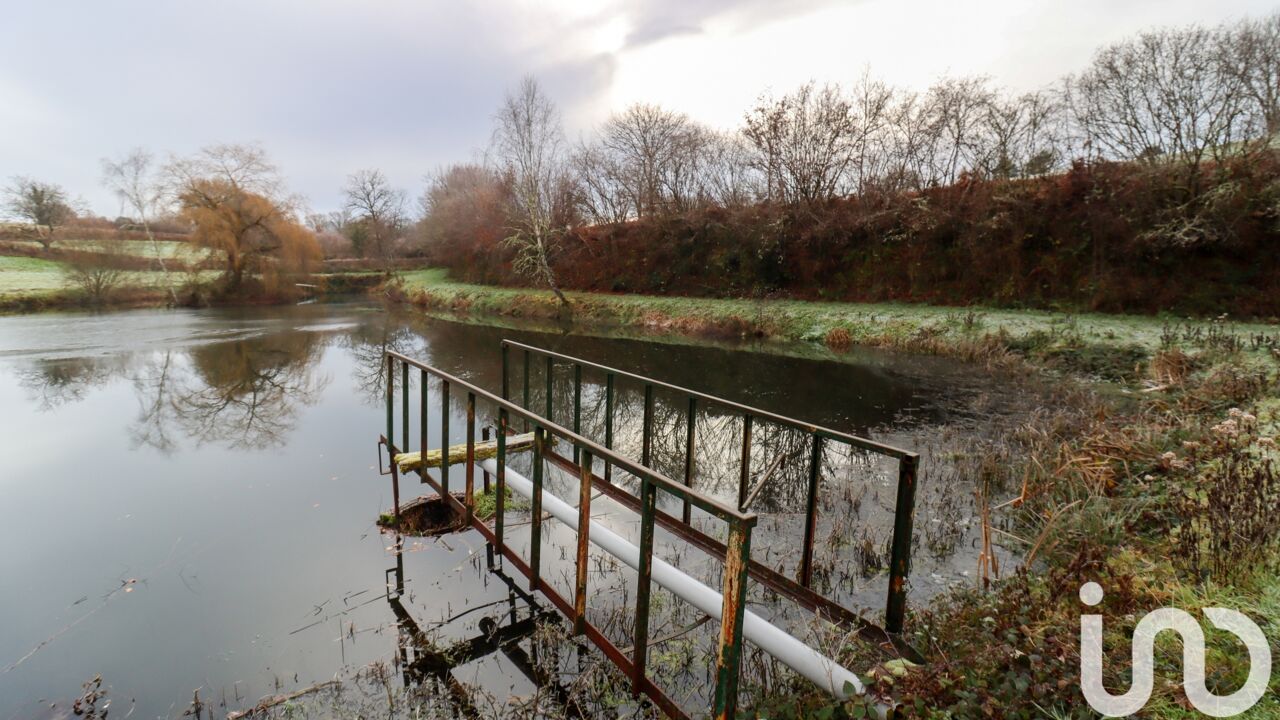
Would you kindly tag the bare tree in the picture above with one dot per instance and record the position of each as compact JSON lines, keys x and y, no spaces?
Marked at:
{"x":728,"y":178}
{"x":97,"y":270}
{"x":1252,"y":55}
{"x":872,"y":103}
{"x":602,"y":186}
{"x":379,"y":208}
{"x":133,"y":179}
{"x":43,"y":204}
{"x":1162,"y":97}
{"x":803,"y":142}
{"x":528,"y":143}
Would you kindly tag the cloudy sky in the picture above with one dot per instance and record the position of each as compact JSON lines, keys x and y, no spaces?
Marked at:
{"x":329,"y":87}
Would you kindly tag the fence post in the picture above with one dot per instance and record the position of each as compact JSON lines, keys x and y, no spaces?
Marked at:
{"x":744,"y":471}
{"x":646,"y":440}
{"x":584,"y":529}
{"x":577,"y":407}
{"x":422,"y":422}
{"x":501,"y":489}
{"x":404,"y":405}
{"x":391,"y":402}
{"x":900,"y":557}
{"x":729,"y":659}
{"x":608,"y":423}
{"x":644,"y":577}
{"x":470,"y":492}
{"x":535,"y":532}
{"x":811,"y":512}
{"x":444,"y":439}
{"x":689,"y":430}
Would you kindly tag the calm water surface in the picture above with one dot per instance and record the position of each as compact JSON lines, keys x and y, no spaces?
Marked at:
{"x":187,"y":498}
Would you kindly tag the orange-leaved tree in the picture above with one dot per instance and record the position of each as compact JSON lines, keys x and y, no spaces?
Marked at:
{"x":228,"y":195}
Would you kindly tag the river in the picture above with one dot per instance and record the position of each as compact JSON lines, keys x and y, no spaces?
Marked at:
{"x":188,"y":497}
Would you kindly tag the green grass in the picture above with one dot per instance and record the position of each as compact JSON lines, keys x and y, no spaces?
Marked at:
{"x":165,"y":249}
{"x":29,"y":277}
{"x":796,"y":320}
{"x":24,"y":279}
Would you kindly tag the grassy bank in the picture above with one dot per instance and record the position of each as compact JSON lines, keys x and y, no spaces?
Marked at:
{"x":1160,"y":484}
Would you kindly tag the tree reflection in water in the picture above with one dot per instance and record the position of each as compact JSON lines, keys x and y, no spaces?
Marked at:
{"x":242,"y":394}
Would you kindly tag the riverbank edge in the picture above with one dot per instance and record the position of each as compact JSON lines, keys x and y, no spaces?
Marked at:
{"x":133,"y":297}
{"x":1107,"y":488}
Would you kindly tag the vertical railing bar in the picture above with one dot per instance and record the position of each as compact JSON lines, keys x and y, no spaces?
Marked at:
{"x":811,"y":512}
{"x":470,"y":491}
{"x":577,"y":407}
{"x":646,"y":446}
{"x":423,"y":407}
{"x":484,"y":436}
{"x":404,"y":406}
{"x":608,"y":423}
{"x":500,"y":499}
{"x":729,"y":659}
{"x":506,"y":375}
{"x":527,"y":361}
{"x":444,"y":437}
{"x":644,"y":576}
{"x":744,"y":473}
{"x":900,"y":554}
{"x":391,"y":400}
{"x":550,"y":386}
{"x":535,"y":533}
{"x":689,"y":430}
{"x":584,"y":530}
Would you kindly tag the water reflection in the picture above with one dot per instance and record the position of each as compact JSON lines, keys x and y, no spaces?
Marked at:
{"x":241,"y":394}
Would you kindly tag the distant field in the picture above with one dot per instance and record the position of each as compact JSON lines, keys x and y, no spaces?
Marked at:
{"x":165,"y":249}
{"x":34,"y":278}
{"x":29,"y":277}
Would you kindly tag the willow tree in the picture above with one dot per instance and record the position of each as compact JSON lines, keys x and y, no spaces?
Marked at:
{"x":230,"y":195}
{"x":252,"y":232}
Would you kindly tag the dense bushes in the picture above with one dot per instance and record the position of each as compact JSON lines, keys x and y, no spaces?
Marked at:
{"x":1104,"y":236}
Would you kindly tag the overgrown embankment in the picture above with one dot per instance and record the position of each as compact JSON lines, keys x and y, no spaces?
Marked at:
{"x":1161,"y":485}
{"x":1112,"y":237}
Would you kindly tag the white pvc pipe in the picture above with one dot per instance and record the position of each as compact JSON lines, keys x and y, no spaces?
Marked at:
{"x":819,"y":669}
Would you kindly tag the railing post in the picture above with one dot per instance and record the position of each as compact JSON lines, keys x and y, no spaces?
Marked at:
{"x":404,"y":405}
{"x":608,"y":423}
{"x":744,"y":468}
{"x":395,"y":486}
{"x":422,"y":421}
{"x":689,"y":430}
{"x":484,"y":436}
{"x":900,"y":555}
{"x":551,"y":376}
{"x":506,"y":362}
{"x":444,"y":439}
{"x":527,"y":361}
{"x":644,"y":577}
{"x":500,"y":500}
{"x":391,"y":401}
{"x":811,"y":512}
{"x":646,"y":441}
{"x":535,"y":533}
{"x":577,"y":407}
{"x":584,"y":530}
{"x":729,"y":660}
{"x":470,"y":493}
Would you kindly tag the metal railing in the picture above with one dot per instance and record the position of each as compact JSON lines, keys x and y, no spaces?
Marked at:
{"x":735,"y":553}
{"x":799,"y":589}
